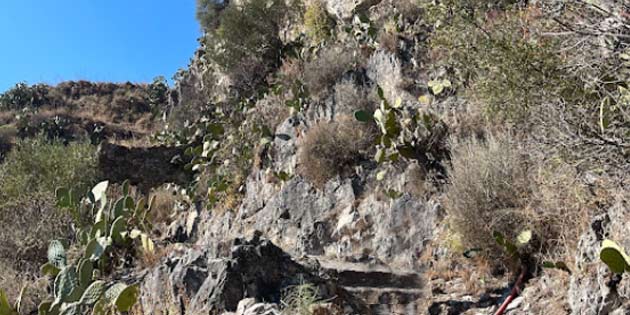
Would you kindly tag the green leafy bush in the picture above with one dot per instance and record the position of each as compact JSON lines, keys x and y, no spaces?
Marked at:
{"x":248,"y":30}
{"x":500,"y":58}
{"x":39,"y":166}
{"x":207,"y":13}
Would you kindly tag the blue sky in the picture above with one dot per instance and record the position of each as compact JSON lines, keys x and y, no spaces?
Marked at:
{"x":100,"y":40}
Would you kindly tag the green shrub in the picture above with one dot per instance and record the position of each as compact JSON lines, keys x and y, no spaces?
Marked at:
{"x":248,"y":30}
{"x":40,"y":166}
{"x":244,"y":40}
{"x":300,"y":299}
{"x":318,"y":25}
{"x":207,"y":13}
{"x":503,"y":63}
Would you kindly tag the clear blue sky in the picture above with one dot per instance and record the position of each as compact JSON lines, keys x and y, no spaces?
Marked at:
{"x":101,"y":40}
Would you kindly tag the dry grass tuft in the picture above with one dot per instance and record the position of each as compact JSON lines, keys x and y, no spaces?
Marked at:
{"x":350,"y":97}
{"x":325,"y":70}
{"x":332,"y":148}
{"x":30,"y":223}
{"x":496,"y":186}
{"x":12,"y":281}
{"x":164,"y":205}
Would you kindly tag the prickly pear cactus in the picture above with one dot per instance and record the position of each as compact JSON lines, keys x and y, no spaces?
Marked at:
{"x":5,"y":307}
{"x":113,"y":229}
{"x":93,"y":293}
{"x":614,"y":257}
{"x":57,"y":254}
{"x":405,"y":134}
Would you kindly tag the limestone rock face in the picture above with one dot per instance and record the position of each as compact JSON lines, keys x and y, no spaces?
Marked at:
{"x":592,"y":289}
{"x":362,"y":247}
{"x":202,"y":280}
{"x":344,"y":9}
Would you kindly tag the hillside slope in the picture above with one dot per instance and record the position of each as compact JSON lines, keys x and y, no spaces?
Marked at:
{"x":355,"y":157}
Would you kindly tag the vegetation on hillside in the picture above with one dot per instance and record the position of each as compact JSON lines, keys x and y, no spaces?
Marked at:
{"x":508,"y":108}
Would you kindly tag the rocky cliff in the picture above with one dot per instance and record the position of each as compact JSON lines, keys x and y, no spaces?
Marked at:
{"x":374,"y":241}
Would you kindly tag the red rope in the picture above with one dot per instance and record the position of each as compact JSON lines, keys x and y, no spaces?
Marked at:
{"x":515,"y":291}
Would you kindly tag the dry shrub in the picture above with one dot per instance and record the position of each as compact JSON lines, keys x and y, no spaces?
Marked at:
{"x":270,"y":111}
{"x":559,"y":209}
{"x":332,"y":148}
{"x":350,"y":97}
{"x":388,"y":41}
{"x":325,"y":70}
{"x":496,"y":186}
{"x":29,"y":224}
{"x":488,"y":187}
{"x":410,"y":9}
{"x":12,"y":281}
{"x":385,"y":69}
{"x":164,"y":205}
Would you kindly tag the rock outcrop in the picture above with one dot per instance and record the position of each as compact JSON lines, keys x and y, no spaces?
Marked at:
{"x":201,"y":280}
{"x":144,"y":167}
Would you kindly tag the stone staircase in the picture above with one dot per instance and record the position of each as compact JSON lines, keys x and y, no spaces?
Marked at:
{"x":387,"y":291}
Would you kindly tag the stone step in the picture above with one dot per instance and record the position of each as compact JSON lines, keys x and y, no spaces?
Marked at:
{"x":386,"y":290}
{"x":390,"y":296}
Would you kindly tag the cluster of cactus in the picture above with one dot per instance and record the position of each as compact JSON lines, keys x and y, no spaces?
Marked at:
{"x":512,"y":247}
{"x":112,"y":226}
{"x":116,"y":223}
{"x":204,"y":159}
{"x":214,"y":154}
{"x":75,"y":291}
{"x":363,"y":30}
{"x":406,"y":132}
{"x":614,"y":256}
